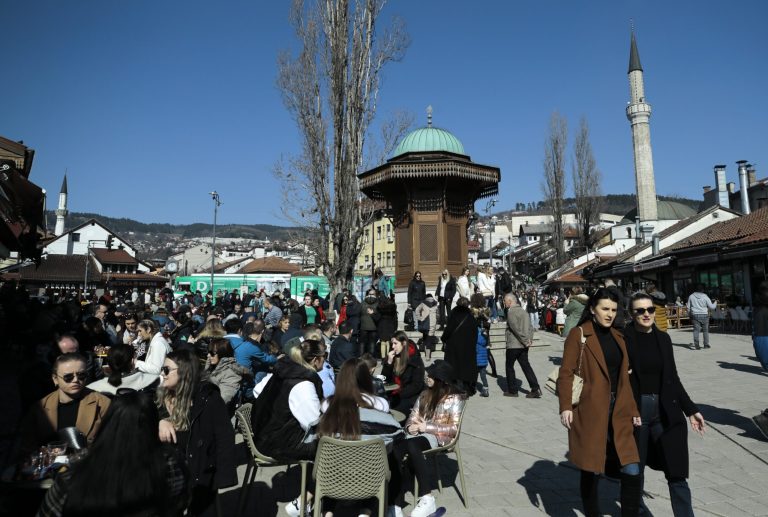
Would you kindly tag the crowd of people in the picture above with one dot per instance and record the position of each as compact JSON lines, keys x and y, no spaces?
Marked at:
{"x":174,"y":369}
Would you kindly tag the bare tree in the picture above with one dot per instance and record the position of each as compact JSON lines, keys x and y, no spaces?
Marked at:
{"x":553,"y":186}
{"x":586,"y":183}
{"x":331,"y":89}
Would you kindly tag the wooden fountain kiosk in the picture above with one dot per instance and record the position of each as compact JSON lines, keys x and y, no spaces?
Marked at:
{"x":430,"y":186}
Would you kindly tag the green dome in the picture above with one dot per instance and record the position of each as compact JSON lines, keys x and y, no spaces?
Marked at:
{"x":666,"y":211}
{"x":429,"y":139}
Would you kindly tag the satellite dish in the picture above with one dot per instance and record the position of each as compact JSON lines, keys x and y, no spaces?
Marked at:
{"x":171,"y":266}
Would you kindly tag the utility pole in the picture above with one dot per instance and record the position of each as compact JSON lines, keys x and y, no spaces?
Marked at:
{"x":216,"y":205}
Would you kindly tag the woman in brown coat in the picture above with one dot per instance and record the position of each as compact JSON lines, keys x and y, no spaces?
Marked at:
{"x":601,"y":425}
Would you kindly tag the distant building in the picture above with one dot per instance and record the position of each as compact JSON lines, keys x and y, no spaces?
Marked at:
{"x":378,"y":248}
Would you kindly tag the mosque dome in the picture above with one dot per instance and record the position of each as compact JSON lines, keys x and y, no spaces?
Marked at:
{"x":667,"y":211}
{"x":428,"y":139}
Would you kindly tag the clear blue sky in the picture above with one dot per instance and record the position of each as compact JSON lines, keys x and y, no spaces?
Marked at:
{"x":152,"y":104}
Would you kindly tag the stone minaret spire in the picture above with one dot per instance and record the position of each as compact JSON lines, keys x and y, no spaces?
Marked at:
{"x":61,"y":211}
{"x":639,"y":113}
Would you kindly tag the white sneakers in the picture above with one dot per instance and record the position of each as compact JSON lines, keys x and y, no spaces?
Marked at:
{"x":292,"y":508}
{"x":425,"y":507}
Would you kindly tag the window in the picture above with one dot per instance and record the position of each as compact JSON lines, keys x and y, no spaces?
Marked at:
{"x":389,"y":231}
{"x":75,"y":237}
{"x":378,"y":258}
{"x":367,"y":238}
{"x":366,"y":260}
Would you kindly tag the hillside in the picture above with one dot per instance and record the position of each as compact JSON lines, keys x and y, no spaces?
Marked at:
{"x":124,"y":226}
{"x":618,"y":204}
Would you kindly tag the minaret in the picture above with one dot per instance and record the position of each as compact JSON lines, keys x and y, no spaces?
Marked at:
{"x":639,"y":113}
{"x":61,"y":211}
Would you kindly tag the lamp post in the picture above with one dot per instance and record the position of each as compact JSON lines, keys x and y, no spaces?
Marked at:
{"x":491,"y":204}
{"x":216,"y":205}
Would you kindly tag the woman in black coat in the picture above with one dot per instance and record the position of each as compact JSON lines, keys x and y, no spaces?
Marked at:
{"x":460,"y":340}
{"x":195,"y":418}
{"x":417,"y":291}
{"x":662,"y":439}
{"x":386,"y":325}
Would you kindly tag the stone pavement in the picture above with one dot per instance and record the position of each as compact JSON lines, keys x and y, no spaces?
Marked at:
{"x":514,"y":449}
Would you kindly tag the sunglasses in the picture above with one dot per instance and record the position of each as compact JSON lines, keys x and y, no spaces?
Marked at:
{"x":69,"y":377}
{"x":643,"y":310}
{"x":165,"y":370}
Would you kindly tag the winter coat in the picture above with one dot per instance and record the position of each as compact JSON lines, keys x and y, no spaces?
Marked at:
{"x":427,"y":310}
{"x":481,"y":348}
{"x":227,"y":375}
{"x":368,"y":321}
{"x":588,"y":436}
{"x":411,"y":381}
{"x":460,"y":338}
{"x":209,"y":447}
{"x":341,"y":350}
{"x":135,"y":380}
{"x":444,"y":423}
{"x":486,"y":284}
{"x":417,"y":292}
{"x":156,"y":352}
{"x":278,"y":433}
{"x":463,"y":287}
{"x":573,"y":311}
{"x":519,"y":333}
{"x":387,"y":324}
{"x":354,"y":311}
{"x":450,"y":289}
{"x":671,"y":453}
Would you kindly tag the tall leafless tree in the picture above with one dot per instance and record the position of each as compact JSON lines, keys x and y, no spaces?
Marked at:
{"x":586,"y":183}
{"x":553,"y":185}
{"x":331,"y":89}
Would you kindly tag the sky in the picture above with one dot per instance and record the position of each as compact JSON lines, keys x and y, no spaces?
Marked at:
{"x":151,"y":105}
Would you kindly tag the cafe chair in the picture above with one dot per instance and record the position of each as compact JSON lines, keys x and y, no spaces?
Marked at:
{"x":351,"y":471}
{"x":257,"y":459}
{"x":448,"y":448}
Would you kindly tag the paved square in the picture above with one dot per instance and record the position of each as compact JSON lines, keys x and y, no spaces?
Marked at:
{"x":514,"y":449}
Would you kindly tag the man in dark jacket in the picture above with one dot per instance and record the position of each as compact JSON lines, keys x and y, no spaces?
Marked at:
{"x":294,"y":330}
{"x":446,"y":290}
{"x":342,"y":347}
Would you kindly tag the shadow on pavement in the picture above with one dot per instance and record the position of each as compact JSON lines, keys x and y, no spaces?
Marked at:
{"x":543,"y":482}
{"x":732,"y":418}
{"x":746,"y":368}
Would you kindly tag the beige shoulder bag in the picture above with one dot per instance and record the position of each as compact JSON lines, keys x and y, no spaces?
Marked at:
{"x":578,"y":380}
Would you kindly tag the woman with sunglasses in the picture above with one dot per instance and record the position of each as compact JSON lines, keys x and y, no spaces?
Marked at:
{"x":222,"y":369}
{"x":662,"y":439}
{"x":194,"y":417}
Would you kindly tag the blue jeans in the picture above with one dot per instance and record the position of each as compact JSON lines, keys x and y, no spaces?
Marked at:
{"x":491,"y":302}
{"x":700,"y":322}
{"x":651,"y":430}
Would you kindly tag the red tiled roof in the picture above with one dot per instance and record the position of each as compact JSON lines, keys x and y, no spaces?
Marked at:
{"x":116,"y":256}
{"x":269,"y":265}
{"x":751,"y":239}
{"x":733,"y":230}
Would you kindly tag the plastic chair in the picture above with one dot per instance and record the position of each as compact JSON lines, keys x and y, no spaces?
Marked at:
{"x":448,"y":448}
{"x":351,"y":471}
{"x":257,"y":459}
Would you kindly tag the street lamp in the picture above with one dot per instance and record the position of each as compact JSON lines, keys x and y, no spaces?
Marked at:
{"x":491,"y":204}
{"x":216,"y":205}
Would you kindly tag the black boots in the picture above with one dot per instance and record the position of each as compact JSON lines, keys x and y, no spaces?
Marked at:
{"x":631,"y":494}
{"x":589,"y":498}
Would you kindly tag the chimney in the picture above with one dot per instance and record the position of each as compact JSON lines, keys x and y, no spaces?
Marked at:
{"x":638,"y":235}
{"x":647,"y":233}
{"x":731,"y":187}
{"x":707,"y":188}
{"x":655,"y":244}
{"x":720,"y":185}
{"x":743,"y":186}
{"x":751,"y":175}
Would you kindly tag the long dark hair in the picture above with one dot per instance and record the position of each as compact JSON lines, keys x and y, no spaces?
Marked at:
{"x":180,"y":397}
{"x":342,"y":418}
{"x":125,"y":471}
{"x":431,"y":397}
{"x":601,"y":294}
{"x":120,"y":361}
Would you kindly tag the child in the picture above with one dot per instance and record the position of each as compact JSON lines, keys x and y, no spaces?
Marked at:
{"x":482,"y":359}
